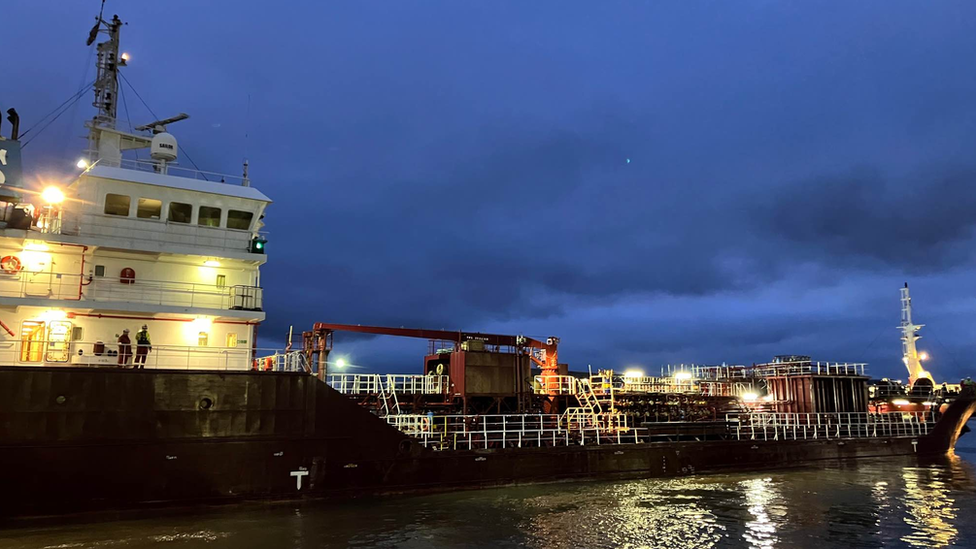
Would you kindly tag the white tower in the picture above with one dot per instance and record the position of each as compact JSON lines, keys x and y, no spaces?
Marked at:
{"x":909,"y":335}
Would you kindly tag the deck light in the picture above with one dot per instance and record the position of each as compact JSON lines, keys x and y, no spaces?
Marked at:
{"x":211,"y":263}
{"x":35,"y":247}
{"x":52,"y":195}
{"x":125,"y":57}
{"x":82,"y":163}
{"x":341,"y":363}
{"x":923,"y":356}
{"x":632,"y":373}
{"x":900,"y":402}
{"x":749,"y":397}
{"x":682,"y":376}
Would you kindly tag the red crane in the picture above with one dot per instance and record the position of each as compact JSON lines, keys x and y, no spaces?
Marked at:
{"x":542,"y":353}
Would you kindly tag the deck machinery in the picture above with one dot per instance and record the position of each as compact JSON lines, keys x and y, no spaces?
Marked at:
{"x":473,"y":373}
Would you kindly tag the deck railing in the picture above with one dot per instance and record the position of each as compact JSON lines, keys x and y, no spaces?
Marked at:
{"x":77,"y":287}
{"x":782,"y":426}
{"x":469,"y":432}
{"x":779,"y":369}
{"x":376,"y":384}
{"x":162,"y":356}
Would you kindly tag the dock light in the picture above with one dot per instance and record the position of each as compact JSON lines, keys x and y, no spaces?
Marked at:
{"x":749,"y":397}
{"x":923,"y":356}
{"x":682,"y":376}
{"x":633,"y":373}
{"x":900,"y":402}
{"x":341,"y":363}
{"x":211,"y":263}
{"x":82,"y":163}
{"x":52,"y":195}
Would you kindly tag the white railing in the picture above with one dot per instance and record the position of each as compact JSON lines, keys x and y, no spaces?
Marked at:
{"x":280,"y":361}
{"x":174,"y":170}
{"x":469,"y":432}
{"x":76,"y":287}
{"x":356,"y":384}
{"x":162,"y":356}
{"x":649,"y":384}
{"x":556,"y":385}
{"x":375,"y":384}
{"x":780,"y":369}
{"x":783,"y":426}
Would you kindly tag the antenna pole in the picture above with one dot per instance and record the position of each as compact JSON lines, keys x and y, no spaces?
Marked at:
{"x":909,"y":335}
{"x":107,"y":75}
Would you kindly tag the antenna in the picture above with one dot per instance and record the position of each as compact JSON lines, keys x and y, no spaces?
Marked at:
{"x":909,"y":335}
{"x":159,"y":126}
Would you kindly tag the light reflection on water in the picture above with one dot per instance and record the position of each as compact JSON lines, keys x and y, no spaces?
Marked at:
{"x":890,"y":503}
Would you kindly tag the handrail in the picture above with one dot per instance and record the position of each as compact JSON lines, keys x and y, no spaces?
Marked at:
{"x":79,"y":287}
{"x":161,"y":356}
{"x":796,"y":426}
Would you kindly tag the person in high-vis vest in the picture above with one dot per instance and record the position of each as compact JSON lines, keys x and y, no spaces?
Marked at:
{"x":143,"y":346}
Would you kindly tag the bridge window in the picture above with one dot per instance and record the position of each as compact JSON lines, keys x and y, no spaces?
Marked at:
{"x":237,"y":219}
{"x":117,"y":204}
{"x":180,"y":212}
{"x":209,"y":217}
{"x":149,"y":208}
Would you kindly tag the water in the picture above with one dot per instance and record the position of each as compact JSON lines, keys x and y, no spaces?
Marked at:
{"x":878,"y":503}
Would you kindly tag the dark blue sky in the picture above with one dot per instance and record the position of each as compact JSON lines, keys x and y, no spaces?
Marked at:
{"x":453,"y":164}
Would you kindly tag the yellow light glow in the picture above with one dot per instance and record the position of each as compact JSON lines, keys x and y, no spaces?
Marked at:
{"x":632,"y":373}
{"x":35,"y":261}
{"x":923,"y":356}
{"x":52,"y":195}
{"x":82,"y":163}
{"x":900,"y":402}
{"x":35,"y":247}
{"x":749,"y":397}
{"x":682,"y":376}
{"x":53,"y":314}
{"x":211,"y":263}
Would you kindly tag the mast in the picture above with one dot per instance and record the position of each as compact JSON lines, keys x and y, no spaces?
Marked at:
{"x":107,"y":76}
{"x":909,"y":335}
{"x":105,"y":142}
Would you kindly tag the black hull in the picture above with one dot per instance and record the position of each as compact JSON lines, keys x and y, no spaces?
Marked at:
{"x":265,"y":432}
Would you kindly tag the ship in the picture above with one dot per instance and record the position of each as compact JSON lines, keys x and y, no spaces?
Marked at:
{"x":130,"y":374}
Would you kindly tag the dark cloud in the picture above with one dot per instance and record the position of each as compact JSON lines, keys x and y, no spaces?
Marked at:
{"x":865,"y":219}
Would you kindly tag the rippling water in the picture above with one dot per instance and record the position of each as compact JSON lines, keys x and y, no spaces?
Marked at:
{"x":883,"y":503}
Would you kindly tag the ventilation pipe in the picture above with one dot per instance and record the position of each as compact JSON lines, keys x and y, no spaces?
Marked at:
{"x":14,"y":119}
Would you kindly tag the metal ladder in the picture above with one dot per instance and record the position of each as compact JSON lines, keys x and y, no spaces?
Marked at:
{"x":387,"y":392}
{"x":587,"y":414}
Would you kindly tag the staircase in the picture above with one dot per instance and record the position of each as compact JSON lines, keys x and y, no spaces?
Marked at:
{"x":587,"y":414}
{"x":389,"y":403}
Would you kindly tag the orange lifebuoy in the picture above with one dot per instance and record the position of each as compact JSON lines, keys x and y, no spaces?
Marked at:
{"x":11,"y":264}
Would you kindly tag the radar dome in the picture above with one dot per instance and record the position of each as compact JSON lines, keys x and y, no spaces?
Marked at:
{"x":163,"y":147}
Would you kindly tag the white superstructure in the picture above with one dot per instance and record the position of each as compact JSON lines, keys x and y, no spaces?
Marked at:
{"x":131,"y":243}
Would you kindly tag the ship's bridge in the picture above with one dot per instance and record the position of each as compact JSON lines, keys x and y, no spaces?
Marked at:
{"x":126,"y":245}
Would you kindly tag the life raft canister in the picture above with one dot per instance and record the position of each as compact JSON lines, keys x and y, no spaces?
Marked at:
{"x":11,"y":264}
